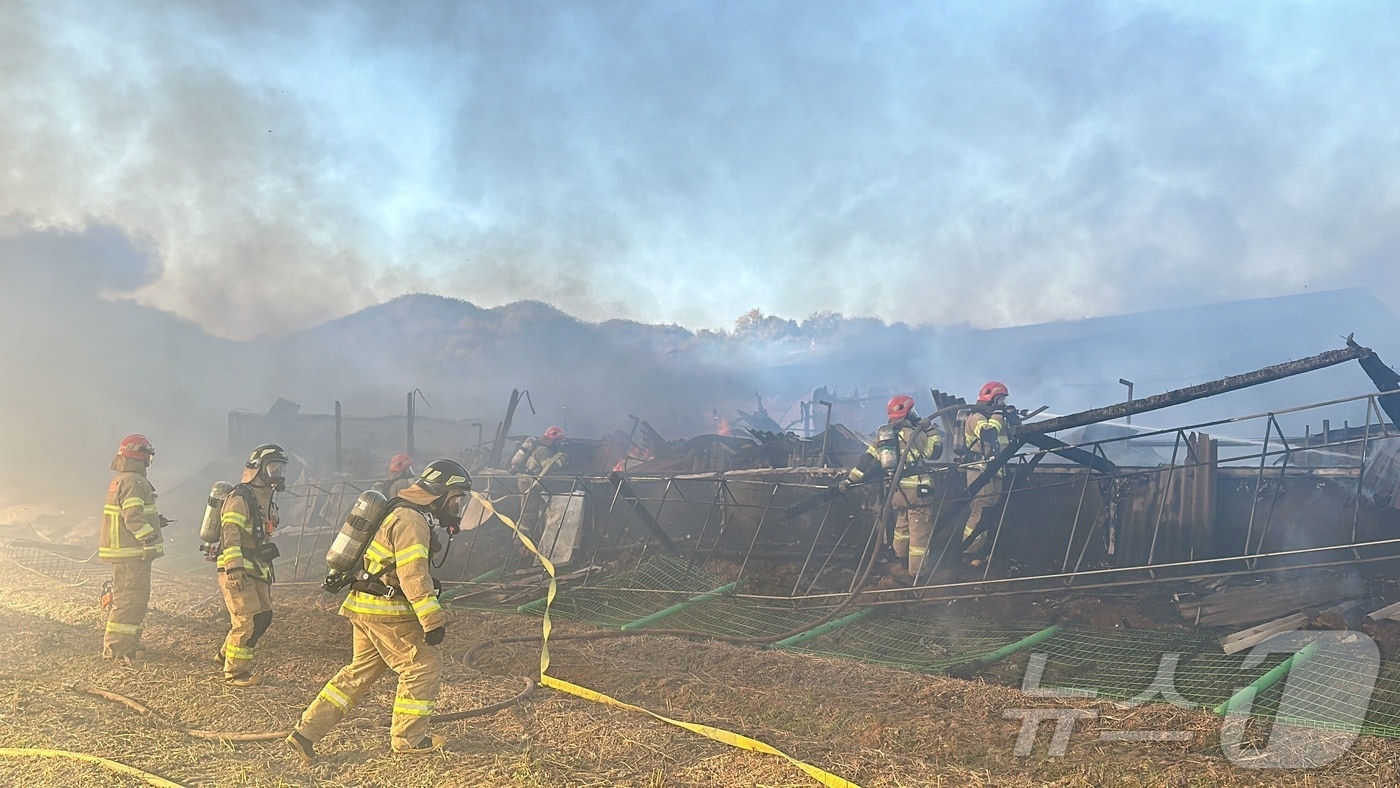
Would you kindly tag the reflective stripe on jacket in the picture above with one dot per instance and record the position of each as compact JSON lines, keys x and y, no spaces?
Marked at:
{"x":919,"y":444}
{"x":130,"y":522}
{"x":986,"y":435}
{"x":398,"y":555}
{"x":542,"y":460}
{"x":242,"y":533}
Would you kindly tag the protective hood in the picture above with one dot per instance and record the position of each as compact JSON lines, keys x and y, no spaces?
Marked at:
{"x":122,"y":464}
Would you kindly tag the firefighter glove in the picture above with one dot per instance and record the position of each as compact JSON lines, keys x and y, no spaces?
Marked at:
{"x":843,"y":486}
{"x":235,"y":580}
{"x":435,"y":636}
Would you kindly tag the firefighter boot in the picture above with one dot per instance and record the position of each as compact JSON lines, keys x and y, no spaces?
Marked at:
{"x":427,"y":745}
{"x":244,"y":680}
{"x":303,"y":747}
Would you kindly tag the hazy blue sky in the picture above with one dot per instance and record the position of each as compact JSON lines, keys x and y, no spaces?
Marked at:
{"x":282,"y":163}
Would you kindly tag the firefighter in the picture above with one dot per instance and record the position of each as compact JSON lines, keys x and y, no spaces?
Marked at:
{"x":401,"y":475}
{"x":395,"y":617}
{"x":986,"y":434}
{"x":130,"y":540}
{"x":918,"y":443}
{"x":534,"y":460}
{"x":247,"y":521}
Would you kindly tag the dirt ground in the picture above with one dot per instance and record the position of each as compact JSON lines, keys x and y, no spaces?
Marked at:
{"x":877,"y":727}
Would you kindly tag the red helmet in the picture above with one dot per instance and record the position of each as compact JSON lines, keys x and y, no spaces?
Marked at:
{"x":899,"y":406}
{"x":400,"y":463}
{"x":991,"y":390}
{"x":554,"y":434}
{"x":137,"y":447}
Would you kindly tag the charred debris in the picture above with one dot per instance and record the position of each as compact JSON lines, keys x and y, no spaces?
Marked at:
{"x":1088,"y":506}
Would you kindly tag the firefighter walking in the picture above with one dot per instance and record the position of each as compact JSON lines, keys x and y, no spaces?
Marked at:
{"x":395,"y":617}
{"x":907,"y":444}
{"x":247,"y":520}
{"x":130,"y":540}
{"x":986,"y":434}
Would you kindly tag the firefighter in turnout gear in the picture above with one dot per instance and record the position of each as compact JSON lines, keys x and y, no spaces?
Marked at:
{"x":534,"y":460}
{"x":130,"y":541}
{"x":986,"y":433}
{"x":401,"y":475}
{"x":396,"y":620}
{"x":247,"y":521}
{"x":917,"y":443}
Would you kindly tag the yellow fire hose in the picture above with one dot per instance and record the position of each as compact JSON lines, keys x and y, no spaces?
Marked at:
{"x":112,"y":766}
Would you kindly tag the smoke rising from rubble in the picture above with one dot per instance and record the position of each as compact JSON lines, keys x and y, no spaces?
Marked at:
{"x":283,"y":164}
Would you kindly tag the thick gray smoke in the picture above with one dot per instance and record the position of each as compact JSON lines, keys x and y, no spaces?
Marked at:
{"x":942,"y":164}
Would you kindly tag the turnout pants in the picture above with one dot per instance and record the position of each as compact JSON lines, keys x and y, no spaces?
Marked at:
{"x":249,"y":614}
{"x":913,"y":525}
{"x":377,"y":646}
{"x":131,"y":595}
{"x":982,"y":507}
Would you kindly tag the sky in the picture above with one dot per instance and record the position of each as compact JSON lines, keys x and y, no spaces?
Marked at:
{"x":274,"y":165}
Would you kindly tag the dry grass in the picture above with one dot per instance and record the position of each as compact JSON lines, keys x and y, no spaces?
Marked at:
{"x":879,"y":727}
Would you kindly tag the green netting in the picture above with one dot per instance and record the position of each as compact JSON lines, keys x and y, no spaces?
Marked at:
{"x":1188,"y":669}
{"x":924,"y":643}
{"x":629,"y":595}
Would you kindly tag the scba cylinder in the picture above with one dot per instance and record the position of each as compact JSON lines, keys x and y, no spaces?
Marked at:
{"x":355,"y":533}
{"x":887,"y":446}
{"x":210,"y":529}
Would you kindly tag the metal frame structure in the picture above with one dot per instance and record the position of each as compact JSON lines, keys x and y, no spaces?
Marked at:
{"x":734,"y":524}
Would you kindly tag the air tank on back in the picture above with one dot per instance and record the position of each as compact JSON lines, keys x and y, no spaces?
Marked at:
{"x":887,"y":446}
{"x":355,"y":533}
{"x":210,"y":528}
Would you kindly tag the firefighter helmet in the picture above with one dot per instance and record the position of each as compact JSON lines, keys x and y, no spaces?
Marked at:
{"x":443,"y":476}
{"x":260,"y":462}
{"x":400,"y":464}
{"x":900,"y":405}
{"x":554,"y":434}
{"x":268,"y":452}
{"x":990,"y":391}
{"x":137,"y":447}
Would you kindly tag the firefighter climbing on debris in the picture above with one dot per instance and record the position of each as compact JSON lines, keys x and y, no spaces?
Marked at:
{"x":986,"y":434}
{"x":534,"y":460}
{"x":401,"y":475}
{"x":396,"y":618}
{"x":905,"y":445}
{"x":130,"y":540}
{"x":247,"y":521}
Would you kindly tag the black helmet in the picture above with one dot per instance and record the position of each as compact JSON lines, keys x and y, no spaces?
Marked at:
{"x":266,"y":453}
{"x":442,"y":476}
{"x":259,"y":459}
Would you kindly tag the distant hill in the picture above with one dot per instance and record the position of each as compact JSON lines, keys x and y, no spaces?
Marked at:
{"x":92,"y":369}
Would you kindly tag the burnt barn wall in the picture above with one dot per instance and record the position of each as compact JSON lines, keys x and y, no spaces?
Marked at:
{"x":1053,"y":518}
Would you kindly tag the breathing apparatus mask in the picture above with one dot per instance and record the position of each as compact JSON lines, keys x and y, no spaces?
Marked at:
{"x":276,"y":473}
{"x":449,"y":513}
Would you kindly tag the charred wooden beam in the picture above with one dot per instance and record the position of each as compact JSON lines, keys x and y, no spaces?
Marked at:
{"x":1248,"y":638}
{"x":1385,"y":379}
{"x":1200,"y":391}
{"x":503,"y":430}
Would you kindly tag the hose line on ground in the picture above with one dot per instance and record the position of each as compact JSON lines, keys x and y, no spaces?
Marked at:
{"x":110,"y":765}
{"x":146,"y":711}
